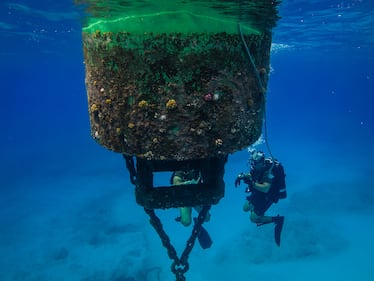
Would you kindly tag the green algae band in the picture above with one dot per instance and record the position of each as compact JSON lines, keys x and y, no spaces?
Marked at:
{"x":174,"y":91}
{"x":166,"y":22}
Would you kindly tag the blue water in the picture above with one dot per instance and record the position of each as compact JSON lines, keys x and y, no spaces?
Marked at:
{"x":67,"y":208}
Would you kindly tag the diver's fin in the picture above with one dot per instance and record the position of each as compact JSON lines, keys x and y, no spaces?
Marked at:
{"x":279,"y":221}
{"x":204,"y":238}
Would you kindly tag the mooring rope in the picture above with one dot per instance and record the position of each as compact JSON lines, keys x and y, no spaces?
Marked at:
{"x":260,"y":85}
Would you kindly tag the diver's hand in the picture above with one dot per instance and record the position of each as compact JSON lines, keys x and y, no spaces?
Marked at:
{"x":247,"y":178}
{"x":238,"y":179}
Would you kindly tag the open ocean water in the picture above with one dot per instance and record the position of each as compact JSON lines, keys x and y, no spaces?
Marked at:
{"x":67,"y":208}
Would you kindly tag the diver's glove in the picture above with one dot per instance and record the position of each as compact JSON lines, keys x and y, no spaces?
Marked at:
{"x":247,"y":178}
{"x":238,"y":179}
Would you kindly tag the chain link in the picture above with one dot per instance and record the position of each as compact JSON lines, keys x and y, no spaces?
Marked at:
{"x":131,"y":168}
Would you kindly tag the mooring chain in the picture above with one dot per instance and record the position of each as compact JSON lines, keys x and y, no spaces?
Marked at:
{"x":157,"y":225}
{"x":179,"y":265}
{"x":195,"y":232}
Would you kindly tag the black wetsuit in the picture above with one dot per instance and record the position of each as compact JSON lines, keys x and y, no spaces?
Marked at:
{"x":261,"y":201}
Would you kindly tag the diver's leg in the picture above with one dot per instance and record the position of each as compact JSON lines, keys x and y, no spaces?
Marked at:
{"x":247,"y":206}
{"x":260,"y":220}
{"x":185,"y":213}
{"x":198,"y":210}
{"x":278,"y":221}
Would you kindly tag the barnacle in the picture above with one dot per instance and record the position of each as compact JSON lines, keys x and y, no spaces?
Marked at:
{"x":171,"y":104}
{"x":143,"y":104}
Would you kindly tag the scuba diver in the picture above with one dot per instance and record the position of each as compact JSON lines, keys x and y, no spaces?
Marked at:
{"x":266,"y":183}
{"x":191,"y":177}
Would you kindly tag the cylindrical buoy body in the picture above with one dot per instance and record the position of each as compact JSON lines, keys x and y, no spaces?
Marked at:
{"x":174,"y":83}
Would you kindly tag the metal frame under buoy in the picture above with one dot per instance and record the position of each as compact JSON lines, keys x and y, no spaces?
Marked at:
{"x":208,"y":192}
